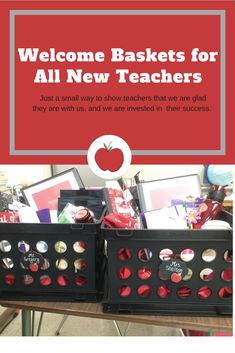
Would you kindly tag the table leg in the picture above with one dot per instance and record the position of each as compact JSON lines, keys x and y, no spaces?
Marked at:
{"x":40,"y":323}
{"x":65,"y":317}
{"x":117,"y":328}
{"x":120,"y":333}
{"x":26,"y":322}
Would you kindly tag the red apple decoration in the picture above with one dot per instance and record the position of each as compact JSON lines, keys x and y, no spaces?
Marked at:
{"x":176,"y":277}
{"x":33,"y":267}
{"x":109,"y":158}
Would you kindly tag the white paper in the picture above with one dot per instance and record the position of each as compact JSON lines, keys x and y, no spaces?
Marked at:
{"x":28,"y":215}
{"x":165,"y":218}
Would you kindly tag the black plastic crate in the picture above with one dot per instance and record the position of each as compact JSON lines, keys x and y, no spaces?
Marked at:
{"x":205,"y":293}
{"x":73,"y":275}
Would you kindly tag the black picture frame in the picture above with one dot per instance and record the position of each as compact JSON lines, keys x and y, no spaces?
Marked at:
{"x":167,"y":188}
{"x":45,"y":193}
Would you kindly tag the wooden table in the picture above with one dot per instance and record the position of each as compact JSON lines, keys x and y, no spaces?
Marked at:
{"x":94,"y":310}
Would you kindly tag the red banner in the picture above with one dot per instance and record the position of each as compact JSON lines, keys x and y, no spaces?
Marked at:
{"x":160,"y":77}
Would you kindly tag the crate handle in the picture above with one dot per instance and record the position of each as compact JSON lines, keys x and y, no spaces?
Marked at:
{"x":124,"y":232}
{"x":77,"y":226}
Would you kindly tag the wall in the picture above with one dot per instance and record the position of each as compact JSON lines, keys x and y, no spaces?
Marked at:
{"x":25,"y":174}
{"x":148,"y":172}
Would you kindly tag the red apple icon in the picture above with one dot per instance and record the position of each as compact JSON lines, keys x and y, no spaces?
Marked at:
{"x":109,"y":158}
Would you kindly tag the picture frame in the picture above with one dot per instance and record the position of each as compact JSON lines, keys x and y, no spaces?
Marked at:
{"x":157,"y":194}
{"x":45,"y":193}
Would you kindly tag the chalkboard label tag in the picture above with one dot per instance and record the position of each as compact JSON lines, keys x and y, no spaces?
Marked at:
{"x":173,"y":269}
{"x":32,"y":260}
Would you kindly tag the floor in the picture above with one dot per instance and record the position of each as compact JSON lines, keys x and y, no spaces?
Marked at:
{"x":76,"y":326}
